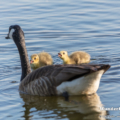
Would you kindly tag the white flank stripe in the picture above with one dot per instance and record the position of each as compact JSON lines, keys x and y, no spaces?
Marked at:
{"x":88,"y":84}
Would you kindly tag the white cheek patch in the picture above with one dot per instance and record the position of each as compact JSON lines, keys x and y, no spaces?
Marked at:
{"x":11,"y":33}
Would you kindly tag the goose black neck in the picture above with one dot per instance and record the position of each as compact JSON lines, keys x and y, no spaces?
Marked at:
{"x":23,"y":57}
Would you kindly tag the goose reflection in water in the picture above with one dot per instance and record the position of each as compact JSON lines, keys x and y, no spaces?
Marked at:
{"x":77,"y":108}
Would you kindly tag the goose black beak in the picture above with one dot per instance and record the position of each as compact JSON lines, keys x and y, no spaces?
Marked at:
{"x":7,"y":37}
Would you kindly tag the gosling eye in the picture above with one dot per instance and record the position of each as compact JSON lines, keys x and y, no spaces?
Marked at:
{"x":34,"y":58}
{"x":63,"y":53}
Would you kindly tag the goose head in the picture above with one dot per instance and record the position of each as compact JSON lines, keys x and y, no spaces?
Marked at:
{"x":15,"y":32}
{"x":63,"y":54}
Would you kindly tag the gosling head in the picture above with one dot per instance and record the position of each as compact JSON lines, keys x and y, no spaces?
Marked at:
{"x":34,"y":59}
{"x":62,"y":54}
{"x":16,"y":33}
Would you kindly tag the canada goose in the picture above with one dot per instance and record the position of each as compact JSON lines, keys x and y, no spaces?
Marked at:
{"x":77,"y":57}
{"x":40,"y":60}
{"x":55,"y":79}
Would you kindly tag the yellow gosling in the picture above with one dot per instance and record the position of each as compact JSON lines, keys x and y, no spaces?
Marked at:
{"x":66,"y":59}
{"x":40,"y":60}
{"x":77,"y":57}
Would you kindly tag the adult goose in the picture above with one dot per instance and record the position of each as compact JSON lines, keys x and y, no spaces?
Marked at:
{"x":55,"y":79}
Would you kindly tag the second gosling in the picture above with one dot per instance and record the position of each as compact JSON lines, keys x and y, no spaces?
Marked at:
{"x":77,"y":57}
{"x":40,"y":60}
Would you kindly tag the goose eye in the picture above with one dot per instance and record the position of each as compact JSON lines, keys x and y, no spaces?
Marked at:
{"x":34,"y":58}
{"x":63,"y":53}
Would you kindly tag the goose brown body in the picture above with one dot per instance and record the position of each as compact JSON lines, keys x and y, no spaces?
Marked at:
{"x":45,"y":80}
{"x":55,"y":79}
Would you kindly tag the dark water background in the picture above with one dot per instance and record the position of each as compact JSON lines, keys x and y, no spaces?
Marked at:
{"x":88,"y":25}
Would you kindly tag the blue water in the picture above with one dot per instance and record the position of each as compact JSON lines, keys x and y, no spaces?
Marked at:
{"x":52,"y":26}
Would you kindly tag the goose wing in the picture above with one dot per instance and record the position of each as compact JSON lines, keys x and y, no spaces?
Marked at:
{"x":44,"y":81}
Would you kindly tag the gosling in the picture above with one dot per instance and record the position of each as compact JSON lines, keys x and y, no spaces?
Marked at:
{"x":40,"y":60}
{"x":77,"y":57}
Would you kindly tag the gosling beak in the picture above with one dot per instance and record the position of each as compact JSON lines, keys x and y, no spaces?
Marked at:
{"x":31,"y":61}
{"x":7,"y":37}
{"x":59,"y":55}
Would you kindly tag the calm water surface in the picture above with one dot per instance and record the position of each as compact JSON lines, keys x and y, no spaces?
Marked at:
{"x":52,"y":26}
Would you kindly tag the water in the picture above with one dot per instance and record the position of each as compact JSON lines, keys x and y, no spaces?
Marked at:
{"x":53,"y":26}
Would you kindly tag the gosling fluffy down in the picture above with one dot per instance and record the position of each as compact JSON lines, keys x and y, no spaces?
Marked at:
{"x":77,"y":57}
{"x":41,"y":59}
